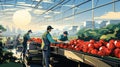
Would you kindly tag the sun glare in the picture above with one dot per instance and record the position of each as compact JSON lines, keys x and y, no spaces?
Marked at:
{"x":21,"y":18}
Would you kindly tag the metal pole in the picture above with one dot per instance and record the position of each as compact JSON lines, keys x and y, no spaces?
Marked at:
{"x":73,"y":12}
{"x":114,"y":6}
{"x":93,"y":23}
{"x":62,"y":14}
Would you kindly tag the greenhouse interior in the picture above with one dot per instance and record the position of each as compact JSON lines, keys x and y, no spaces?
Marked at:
{"x":60,"y":33}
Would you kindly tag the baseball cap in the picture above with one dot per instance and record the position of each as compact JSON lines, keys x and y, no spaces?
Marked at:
{"x":30,"y":31}
{"x":65,"y":32}
{"x":49,"y":27}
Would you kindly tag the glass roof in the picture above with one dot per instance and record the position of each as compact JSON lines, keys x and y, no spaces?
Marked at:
{"x":56,"y":11}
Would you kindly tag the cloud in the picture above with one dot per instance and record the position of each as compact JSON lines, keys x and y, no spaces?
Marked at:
{"x":7,"y":5}
{"x":110,"y":15}
{"x":70,"y":18}
{"x":46,"y":1}
{"x":28,"y":9}
{"x":10,"y":9}
{"x":38,"y":11}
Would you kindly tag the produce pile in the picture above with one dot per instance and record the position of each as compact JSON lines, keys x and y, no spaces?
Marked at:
{"x":100,"y":48}
{"x":36,"y":40}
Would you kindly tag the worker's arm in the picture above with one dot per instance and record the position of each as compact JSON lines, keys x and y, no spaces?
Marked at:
{"x":50,"y":38}
{"x":59,"y":37}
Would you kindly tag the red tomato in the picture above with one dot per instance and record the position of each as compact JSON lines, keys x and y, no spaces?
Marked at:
{"x":116,"y":52}
{"x":90,"y":45}
{"x":119,"y":55}
{"x":112,"y":41}
{"x":61,"y":45}
{"x":75,"y":42}
{"x":78,"y":41}
{"x":101,"y":53}
{"x":92,"y":41}
{"x":107,"y":51}
{"x":102,"y":41}
{"x":110,"y":46}
{"x":78,"y":45}
{"x":94,"y":51}
{"x":72,"y":42}
{"x":96,"y":45}
{"x":102,"y":48}
{"x":78,"y":49}
{"x":89,"y":50}
{"x":100,"y":44}
{"x":65,"y":46}
{"x":117,"y":44}
{"x":85,"y":49}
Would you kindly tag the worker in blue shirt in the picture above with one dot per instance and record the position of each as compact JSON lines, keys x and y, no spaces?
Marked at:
{"x":47,"y":39}
{"x":26,"y":37}
{"x":63,"y":37}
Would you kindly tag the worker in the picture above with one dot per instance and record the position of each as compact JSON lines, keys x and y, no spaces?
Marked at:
{"x":26,"y":37}
{"x":47,"y":39}
{"x":17,"y":39}
{"x":63,"y":37}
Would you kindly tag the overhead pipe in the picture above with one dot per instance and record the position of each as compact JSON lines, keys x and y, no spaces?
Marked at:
{"x":93,"y":23}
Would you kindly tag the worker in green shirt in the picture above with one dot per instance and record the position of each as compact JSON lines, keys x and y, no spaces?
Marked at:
{"x":26,"y":37}
{"x":63,"y":37}
{"x":47,"y":39}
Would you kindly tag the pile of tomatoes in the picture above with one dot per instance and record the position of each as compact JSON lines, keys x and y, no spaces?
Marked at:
{"x":36,"y":40}
{"x":101,"y":47}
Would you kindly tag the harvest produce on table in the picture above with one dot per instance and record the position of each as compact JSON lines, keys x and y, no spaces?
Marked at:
{"x":100,"y":48}
{"x":36,"y":40}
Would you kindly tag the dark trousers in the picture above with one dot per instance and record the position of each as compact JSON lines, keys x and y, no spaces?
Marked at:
{"x":46,"y":58}
{"x":24,"y":48}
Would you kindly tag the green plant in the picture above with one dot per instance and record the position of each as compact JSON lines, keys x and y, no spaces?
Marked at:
{"x":111,"y":31}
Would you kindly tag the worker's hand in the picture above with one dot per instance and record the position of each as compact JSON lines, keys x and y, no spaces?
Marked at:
{"x":59,"y":41}
{"x":55,"y":39}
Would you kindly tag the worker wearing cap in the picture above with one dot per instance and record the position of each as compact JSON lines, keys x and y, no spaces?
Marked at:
{"x":63,"y":37}
{"x":47,"y":39}
{"x":26,"y":37}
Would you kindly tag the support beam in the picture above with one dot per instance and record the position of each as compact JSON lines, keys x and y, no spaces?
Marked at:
{"x":114,"y":6}
{"x":93,"y":23}
{"x":36,"y":6}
